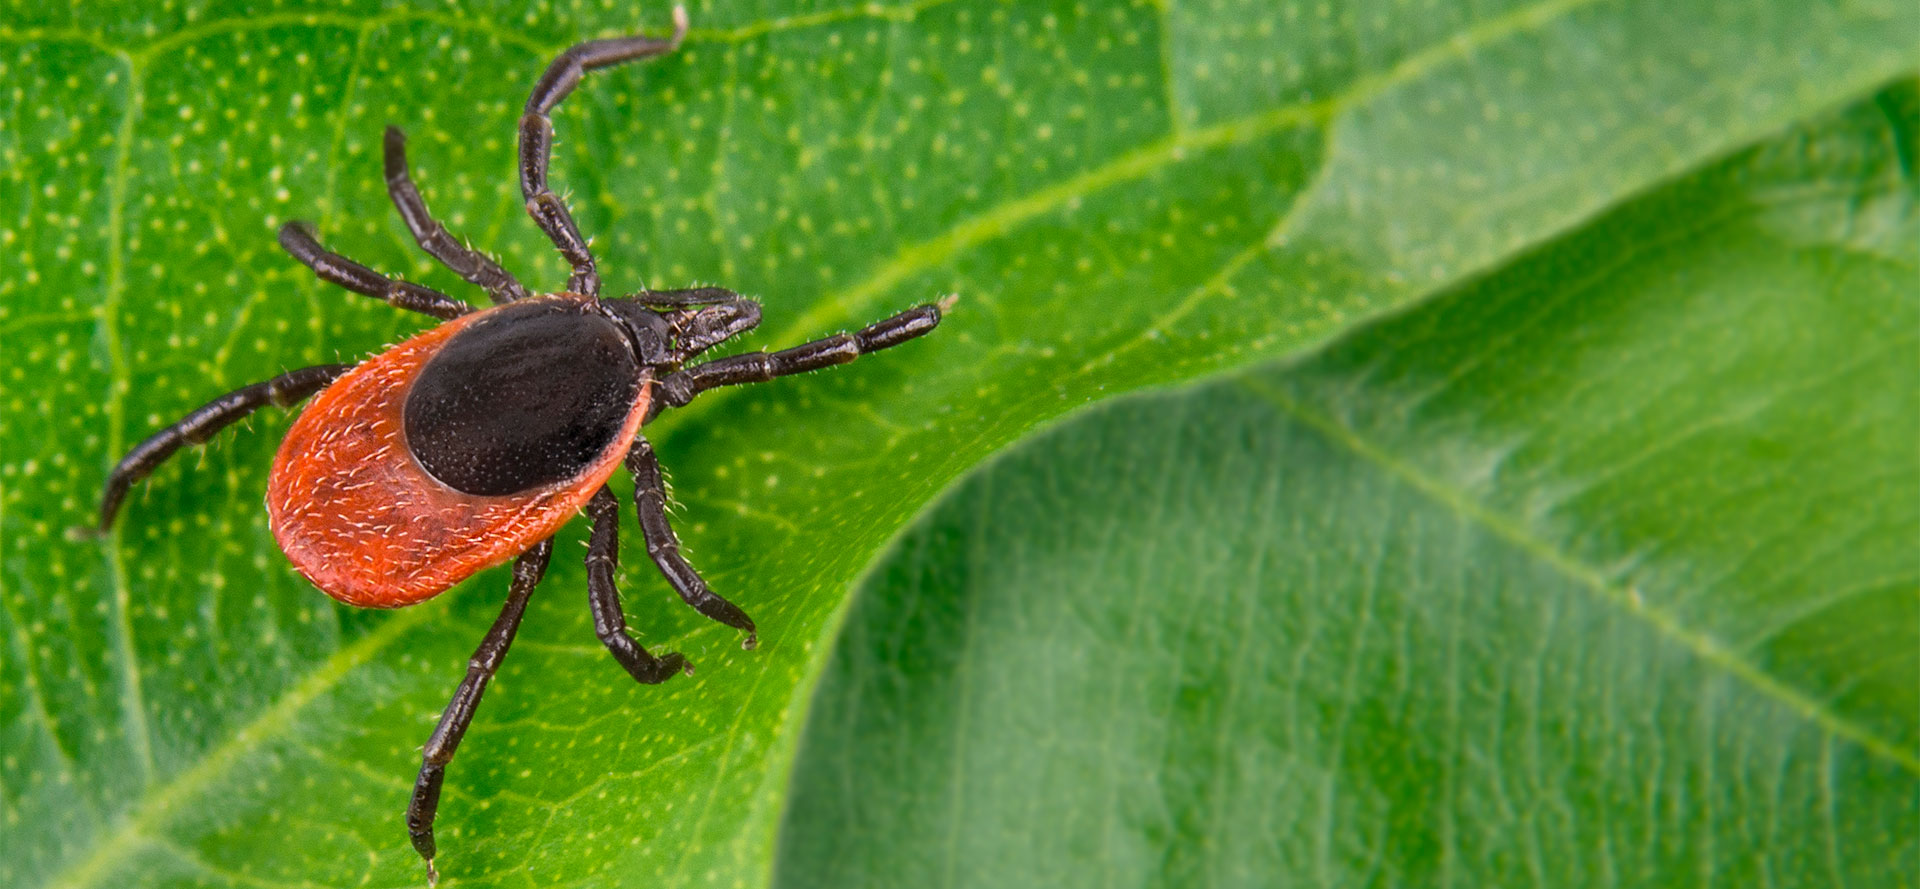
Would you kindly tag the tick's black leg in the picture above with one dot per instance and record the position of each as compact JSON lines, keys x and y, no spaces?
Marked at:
{"x":434,"y":238}
{"x":536,"y":139}
{"x":680,"y":299}
{"x":603,"y":555}
{"x":650,"y":500}
{"x":486,"y":659}
{"x":336,"y":269}
{"x":758,"y":367}
{"x":285,"y":390}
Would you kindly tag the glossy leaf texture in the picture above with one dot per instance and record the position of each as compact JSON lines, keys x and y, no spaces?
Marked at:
{"x":1596,"y":572}
{"x":1122,"y":195}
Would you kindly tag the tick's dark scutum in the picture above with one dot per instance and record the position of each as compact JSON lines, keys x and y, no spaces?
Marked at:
{"x":527,"y":396}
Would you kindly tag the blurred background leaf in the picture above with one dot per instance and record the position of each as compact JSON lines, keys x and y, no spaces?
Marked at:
{"x":1599,"y":571}
{"x":1124,"y":196}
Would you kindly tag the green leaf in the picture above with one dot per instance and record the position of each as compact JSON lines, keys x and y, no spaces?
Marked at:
{"x":1124,"y":196}
{"x":1597,"y":572}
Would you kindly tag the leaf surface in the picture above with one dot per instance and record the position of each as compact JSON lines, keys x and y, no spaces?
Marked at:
{"x":1123,"y":196}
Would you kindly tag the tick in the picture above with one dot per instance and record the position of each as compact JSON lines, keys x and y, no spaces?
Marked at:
{"x":473,"y":442}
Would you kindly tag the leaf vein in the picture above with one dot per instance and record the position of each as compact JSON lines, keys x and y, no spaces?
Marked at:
{"x":132,"y":696}
{"x":1629,"y":600}
{"x":160,"y":799}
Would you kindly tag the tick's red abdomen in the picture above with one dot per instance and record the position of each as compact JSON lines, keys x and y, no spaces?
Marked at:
{"x":359,"y":516}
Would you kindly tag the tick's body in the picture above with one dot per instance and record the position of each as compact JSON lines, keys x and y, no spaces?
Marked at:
{"x":355,"y":501}
{"x":475,"y":441}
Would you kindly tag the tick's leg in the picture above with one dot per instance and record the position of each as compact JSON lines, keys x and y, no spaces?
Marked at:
{"x":650,"y":500}
{"x":680,"y":299}
{"x":336,"y":269}
{"x":758,"y":367}
{"x":434,"y":238}
{"x":603,"y":555}
{"x":536,"y":139}
{"x":486,"y":659}
{"x":285,"y":390}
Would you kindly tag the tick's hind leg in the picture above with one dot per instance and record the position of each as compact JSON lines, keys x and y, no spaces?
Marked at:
{"x":527,"y":571}
{"x":758,"y":367}
{"x":336,"y":269}
{"x":536,"y":139}
{"x":650,"y":500}
{"x":609,"y":623}
{"x":476,"y":267}
{"x":285,"y":390}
